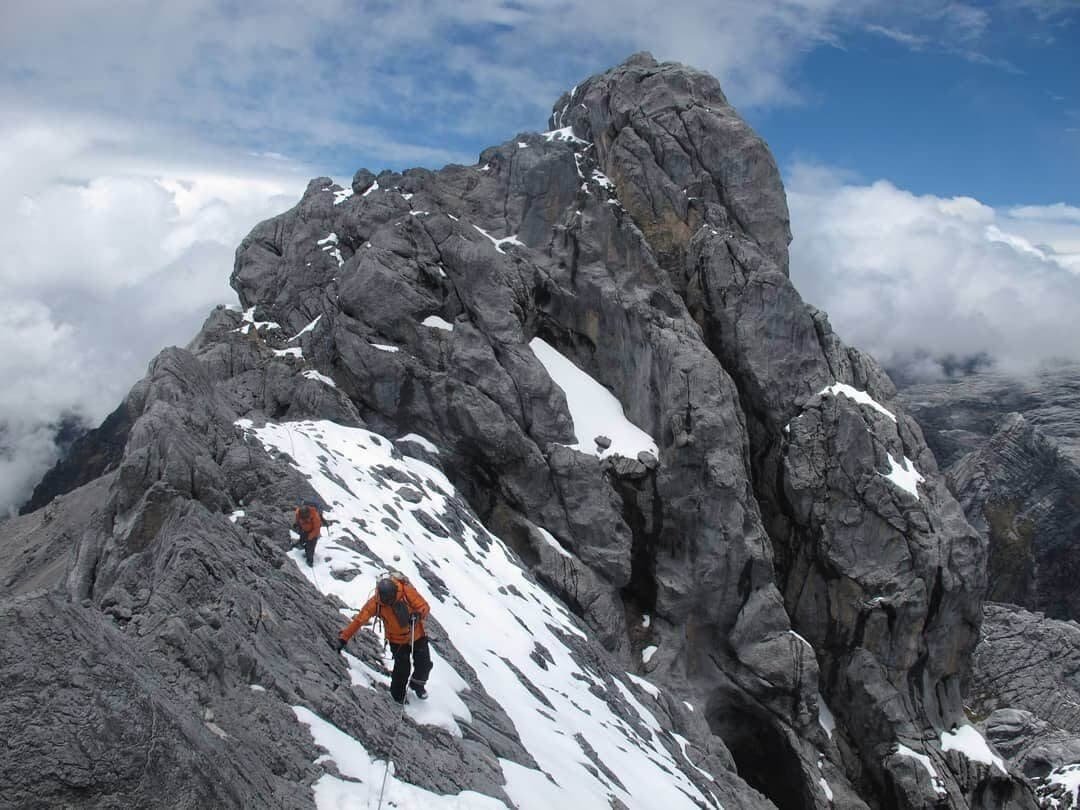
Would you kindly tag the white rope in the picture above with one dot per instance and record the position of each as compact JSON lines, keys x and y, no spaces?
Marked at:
{"x":401,"y":718}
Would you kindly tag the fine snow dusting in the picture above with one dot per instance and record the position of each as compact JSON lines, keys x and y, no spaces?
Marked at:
{"x":863,"y":398}
{"x":904,"y":475}
{"x":939,"y":786}
{"x":435,"y":322}
{"x":968,"y":741}
{"x":312,"y":374}
{"x":594,"y":410}
{"x":497,"y":618}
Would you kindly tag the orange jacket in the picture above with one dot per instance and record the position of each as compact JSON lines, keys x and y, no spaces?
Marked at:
{"x":311,"y":525}
{"x":396,"y":632}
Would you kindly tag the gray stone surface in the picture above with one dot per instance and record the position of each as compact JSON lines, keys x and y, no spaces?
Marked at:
{"x":761,"y":552}
{"x":1023,"y":493}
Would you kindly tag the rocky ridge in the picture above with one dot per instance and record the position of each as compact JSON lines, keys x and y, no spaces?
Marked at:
{"x":789,"y":549}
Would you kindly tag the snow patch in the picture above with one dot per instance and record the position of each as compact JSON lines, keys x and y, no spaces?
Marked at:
{"x":296,"y":351}
{"x":689,"y":706}
{"x":803,"y":640}
{"x":648,"y":653}
{"x":250,"y":323}
{"x":564,"y":134}
{"x":644,"y":684}
{"x":384,"y":348}
{"x":435,"y":322}
{"x":904,"y":475}
{"x":602,"y":180}
{"x":341,"y":193}
{"x":373,"y":187}
{"x":863,"y":398}
{"x":416,"y":438}
{"x":939,"y":785}
{"x":312,"y":374}
{"x":307,"y":328}
{"x":594,"y":410}
{"x":235,"y":516}
{"x":825,"y":716}
{"x":328,"y":241}
{"x":256,"y":688}
{"x":549,"y":538}
{"x":646,"y":620}
{"x":968,"y":741}
{"x":1068,"y":777}
{"x":825,"y":787}
{"x":506,"y":240}
{"x":522,"y":145}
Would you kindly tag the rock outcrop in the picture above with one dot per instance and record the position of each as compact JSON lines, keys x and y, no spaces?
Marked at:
{"x":1023,"y":493}
{"x":784,"y":544}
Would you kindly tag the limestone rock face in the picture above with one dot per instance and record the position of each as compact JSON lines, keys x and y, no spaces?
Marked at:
{"x":1023,"y":493}
{"x":783,"y":546}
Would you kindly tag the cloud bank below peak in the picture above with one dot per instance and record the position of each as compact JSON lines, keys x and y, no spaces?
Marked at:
{"x":919,"y":281}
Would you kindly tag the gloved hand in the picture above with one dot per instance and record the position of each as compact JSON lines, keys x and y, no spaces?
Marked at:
{"x":341,"y":644}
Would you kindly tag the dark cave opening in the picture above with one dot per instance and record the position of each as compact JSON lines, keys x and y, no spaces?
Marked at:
{"x":763,"y":757}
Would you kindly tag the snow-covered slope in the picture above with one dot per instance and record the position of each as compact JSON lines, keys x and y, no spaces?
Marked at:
{"x":593,"y":736}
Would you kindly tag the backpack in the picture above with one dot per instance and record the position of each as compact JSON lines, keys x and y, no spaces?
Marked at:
{"x":400,"y":607}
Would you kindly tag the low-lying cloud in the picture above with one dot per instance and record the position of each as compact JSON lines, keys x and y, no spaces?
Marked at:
{"x":919,"y":281}
{"x":105,"y":263}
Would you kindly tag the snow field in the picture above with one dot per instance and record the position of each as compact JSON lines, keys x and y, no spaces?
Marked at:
{"x":594,"y":410}
{"x":507,"y":628}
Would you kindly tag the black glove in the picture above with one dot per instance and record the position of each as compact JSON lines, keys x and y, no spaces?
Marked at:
{"x":341,"y":643}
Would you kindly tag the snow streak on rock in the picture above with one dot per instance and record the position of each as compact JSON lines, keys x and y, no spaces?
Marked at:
{"x":569,"y":717}
{"x":594,"y":409}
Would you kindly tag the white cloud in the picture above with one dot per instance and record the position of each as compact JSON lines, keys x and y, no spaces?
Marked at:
{"x":109,"y":256}
{"x":908,"y":277}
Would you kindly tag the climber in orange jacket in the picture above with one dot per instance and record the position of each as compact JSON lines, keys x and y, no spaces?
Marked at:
{"x":307,"y":522}
{"x":402,"y":610}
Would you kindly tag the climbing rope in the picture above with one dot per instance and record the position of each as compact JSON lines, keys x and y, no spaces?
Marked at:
{"x":401,"y":717}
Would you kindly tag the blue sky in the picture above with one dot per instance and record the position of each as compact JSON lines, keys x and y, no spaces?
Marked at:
{"x":1006,"y":131}
{"x":930,"y":150}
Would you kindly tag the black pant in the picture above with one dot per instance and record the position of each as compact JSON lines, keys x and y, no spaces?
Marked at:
{"x":421,"y":658}
{"x":309,"y":547}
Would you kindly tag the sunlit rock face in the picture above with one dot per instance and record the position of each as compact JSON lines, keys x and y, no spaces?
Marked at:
{"x":683,"y":547}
